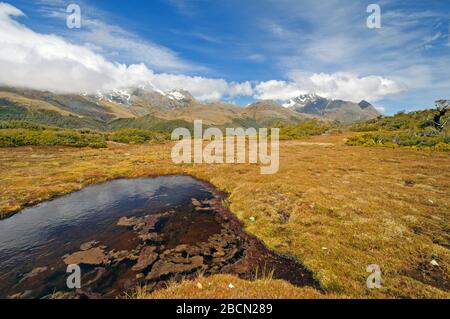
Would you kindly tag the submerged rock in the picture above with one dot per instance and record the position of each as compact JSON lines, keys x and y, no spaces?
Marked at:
{"x":151,"y":221}
{"x":165,"y":267}
{"x":146,"y":258}
{"x":36,"y":271}
{"x":119,"y":256}
{"x":127,"y":222}
{"x":94,"y":256}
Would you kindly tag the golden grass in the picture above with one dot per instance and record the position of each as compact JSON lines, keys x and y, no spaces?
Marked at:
{"x":230,"y":287}
{"x":336,"y":208}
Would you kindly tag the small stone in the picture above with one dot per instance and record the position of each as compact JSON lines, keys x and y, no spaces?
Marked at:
{"x":231,"y":286}
{"x":434,"y":263}
{"x":324,"y":248}
{"x":252,"y":219}
{"x":139,"y":276}
{"x":199,"y":285}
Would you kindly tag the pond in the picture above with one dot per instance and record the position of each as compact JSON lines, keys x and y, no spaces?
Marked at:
{"x":130,"y":232}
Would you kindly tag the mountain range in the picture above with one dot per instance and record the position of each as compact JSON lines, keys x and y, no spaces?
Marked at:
{"x":151,"y":108}
{"x":337,"y":110}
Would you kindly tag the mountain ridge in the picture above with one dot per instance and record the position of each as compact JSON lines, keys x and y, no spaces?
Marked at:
{"x":332,"y":109}
{"x":147,"y":103}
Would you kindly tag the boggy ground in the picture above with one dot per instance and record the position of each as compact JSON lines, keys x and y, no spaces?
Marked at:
{"x":336,"y":208}
{"x":155,"y":250}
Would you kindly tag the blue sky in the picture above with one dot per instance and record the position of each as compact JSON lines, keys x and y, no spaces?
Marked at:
{"x":249,"y":49}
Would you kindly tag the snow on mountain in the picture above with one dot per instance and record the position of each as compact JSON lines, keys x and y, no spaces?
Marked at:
{"x":301,"y":100}
{"x":176,"y":95}
{"x":342,"y":111}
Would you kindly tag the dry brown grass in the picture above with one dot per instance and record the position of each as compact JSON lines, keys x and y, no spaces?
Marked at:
{"x":336,"y":208}
{"x":219,"y":287}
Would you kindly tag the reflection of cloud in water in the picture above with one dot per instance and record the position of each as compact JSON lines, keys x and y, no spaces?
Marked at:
{"x":89,"y":210}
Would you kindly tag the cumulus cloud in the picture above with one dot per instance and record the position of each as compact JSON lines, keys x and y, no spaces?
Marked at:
{"x":345,"y":86}
{"x":49,"y":62}
{"x":112,"y":40}
{"x":204,"y":89}
{"x":277,"y":90}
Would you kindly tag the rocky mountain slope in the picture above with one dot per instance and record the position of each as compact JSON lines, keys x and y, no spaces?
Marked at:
{"x":149,"y":107}
{"x":337,"y":110}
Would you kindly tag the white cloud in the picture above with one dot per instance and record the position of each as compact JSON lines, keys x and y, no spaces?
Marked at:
{"x":49,"y":62}
{"x":115,"y":39}
{"x":345,"y":86}
{"x":380,"y":108}
{"x":276,"y":90}
{"x":242,"y":89}
{"x":111,"y":40}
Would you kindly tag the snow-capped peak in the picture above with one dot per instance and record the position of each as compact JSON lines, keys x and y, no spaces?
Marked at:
{"x":155,"y":89}
{"x":176,"y":95}
{"x":301,"y":101}
{"x":148,"y":92}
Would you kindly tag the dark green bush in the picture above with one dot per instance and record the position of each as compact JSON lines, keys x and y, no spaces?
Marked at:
{"x":50,"y":137}
{"x":137,"y":136}
{"x":410,"y":139}
{"x":303,"y":129}
{"x":401,"y":121}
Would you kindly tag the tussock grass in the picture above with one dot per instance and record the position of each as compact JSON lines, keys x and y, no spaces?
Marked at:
{"x":336,"y":208}
{"x":218,"y":286}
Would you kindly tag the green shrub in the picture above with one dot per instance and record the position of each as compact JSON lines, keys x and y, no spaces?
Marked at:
{"x":50,"y":137}
{"x":411,"y":139}
{"x":401,"y":121}
{"x":138,"y":136}
{"x":303,"y":129}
